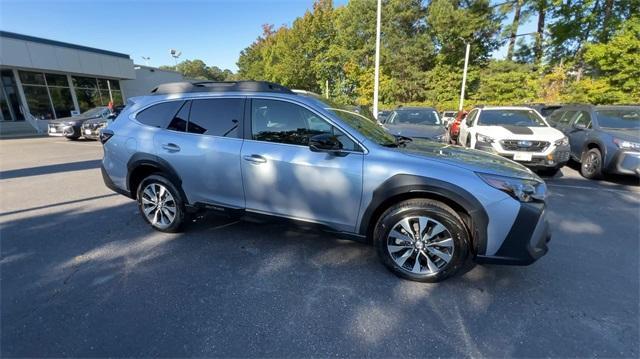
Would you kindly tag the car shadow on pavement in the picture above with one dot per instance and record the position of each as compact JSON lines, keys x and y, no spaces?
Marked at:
{"x":50,"y":169}
{"x":101,"y":282}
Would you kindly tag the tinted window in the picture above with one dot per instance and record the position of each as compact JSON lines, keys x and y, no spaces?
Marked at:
{"x":179,"y":121}
{"x":555,"y":116}
{"x":471,"y":117}
{"x":566,"y":117}
{"x":159,"y":115}
{"x":216,"y":117}
{"x":284,"y":122}
{"x":510,"y":118}
{"x":416,"y":117}
{"x":584,"y":119}
{"x":627,"y":118}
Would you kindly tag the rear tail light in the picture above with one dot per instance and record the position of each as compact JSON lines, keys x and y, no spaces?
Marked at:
{"x":105,"y":135}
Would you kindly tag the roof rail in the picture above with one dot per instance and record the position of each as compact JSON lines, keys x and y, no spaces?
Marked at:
{"x":219,"y":86}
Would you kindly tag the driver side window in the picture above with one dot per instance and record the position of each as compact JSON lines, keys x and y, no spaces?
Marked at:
{"x":583,"y":118}
{"x":285,"y":122}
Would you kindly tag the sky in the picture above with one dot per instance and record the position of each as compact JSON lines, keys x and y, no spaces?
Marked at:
{"x":214,"y":31}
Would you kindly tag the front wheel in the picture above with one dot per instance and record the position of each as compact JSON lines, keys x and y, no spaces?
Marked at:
{"x":161,"y":204}
{"x":591,"y":166}
{"x":422,"y":240}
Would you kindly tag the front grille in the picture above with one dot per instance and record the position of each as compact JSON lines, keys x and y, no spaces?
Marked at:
{"x":92,"y":126}
{"x":524,"y":145}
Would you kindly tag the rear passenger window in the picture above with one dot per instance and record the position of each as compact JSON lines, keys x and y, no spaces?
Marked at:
{"x":216,"y":117}
{"x":179,"y":121}
{"x":555,"y":116}
{"x":159,"y":115}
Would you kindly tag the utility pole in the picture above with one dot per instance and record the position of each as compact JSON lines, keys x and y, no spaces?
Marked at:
{"x":326,"y":89}
{"x":376,"y":76}
{"x":464,"y":76}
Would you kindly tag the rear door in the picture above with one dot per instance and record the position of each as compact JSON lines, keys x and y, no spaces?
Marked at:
{"x":202,"y":142}
{"x":282,"y":176}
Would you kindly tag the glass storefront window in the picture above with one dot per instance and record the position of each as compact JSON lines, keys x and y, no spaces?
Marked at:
{"x":84,"y":82}
{"x":117,"y":97}
{"x":32,"y":78}
{"x":57,"y":80}
{"x":115,"y":84}
{"x":102,"y":84}
{"x":88,"y":99}
{"x":38,"y":102}
{"x":62,"y":101}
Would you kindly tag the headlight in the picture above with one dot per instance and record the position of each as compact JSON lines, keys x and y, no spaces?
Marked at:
{"x":564,"y":141}
{"x":483,"y":138}
{"x":524,"y":190}
{"x":627,"y":145}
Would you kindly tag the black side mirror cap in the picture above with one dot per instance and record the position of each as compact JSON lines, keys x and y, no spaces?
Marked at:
{"x":325,"y":143}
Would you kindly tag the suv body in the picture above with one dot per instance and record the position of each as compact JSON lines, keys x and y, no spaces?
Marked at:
{"x":256,"y":147}
{"x":602,"y":138}
{"x":518,"y":133}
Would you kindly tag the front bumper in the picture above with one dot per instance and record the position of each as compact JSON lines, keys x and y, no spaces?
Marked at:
{"x":63,"y":130}
{"x":91,"y":132}
{"x":527,"y":240}
{"x":626,"y":163}
{"x":556,"y":158}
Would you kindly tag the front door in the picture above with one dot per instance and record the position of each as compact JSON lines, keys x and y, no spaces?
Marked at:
{"x":282,"y":176}
{"x":577,"y":136}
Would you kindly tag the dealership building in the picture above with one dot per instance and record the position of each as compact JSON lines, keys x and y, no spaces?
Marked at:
{"x":44,"y":80}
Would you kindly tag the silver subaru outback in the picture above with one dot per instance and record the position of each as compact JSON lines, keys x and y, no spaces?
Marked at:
{"x":253,"y":147}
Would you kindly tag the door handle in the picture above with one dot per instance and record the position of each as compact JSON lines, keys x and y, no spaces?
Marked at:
{"x":171,"y":147}
{"x":255,"y":159}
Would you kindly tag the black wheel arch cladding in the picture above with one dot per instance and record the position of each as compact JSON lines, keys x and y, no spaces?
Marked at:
{"x":163,"y":167}
{"x":419,"y":186}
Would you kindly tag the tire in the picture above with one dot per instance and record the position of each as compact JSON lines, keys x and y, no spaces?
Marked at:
{"x":72,"y":138}
{"x":468,"y":142}
{"x":591,"y":164}
{"x":389,"y":237}
{"x":168,"y":195}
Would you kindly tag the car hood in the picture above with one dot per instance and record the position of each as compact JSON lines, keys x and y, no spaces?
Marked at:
{"x":520,"y":132}
{"x":78,"y":119}
{"x":474,"y":160}
{"x":416,"y":131}
{"x":625,"y":135}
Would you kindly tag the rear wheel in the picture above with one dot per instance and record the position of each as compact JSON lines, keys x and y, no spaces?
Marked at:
{"x":422,"y":240}
{"x":591,"y":164}
{"x":161,"y":204}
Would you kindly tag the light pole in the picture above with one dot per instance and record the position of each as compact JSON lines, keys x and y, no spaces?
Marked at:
{"x":376,"y":76}
{"x":146,"y":60}
{"x":175,"y":54}
{"x":464,"y":76}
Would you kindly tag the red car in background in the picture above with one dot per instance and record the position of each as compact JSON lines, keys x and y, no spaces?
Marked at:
{"x":454,"y":128}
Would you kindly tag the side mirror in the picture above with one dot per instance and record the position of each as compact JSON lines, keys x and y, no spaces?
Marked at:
{"x":325,"y":143}
{"x":579,"y":126}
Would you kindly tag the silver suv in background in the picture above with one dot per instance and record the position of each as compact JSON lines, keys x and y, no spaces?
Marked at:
{"x":257,"y":148}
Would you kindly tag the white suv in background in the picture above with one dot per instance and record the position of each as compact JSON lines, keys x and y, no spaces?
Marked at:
{"x":518,"y":133}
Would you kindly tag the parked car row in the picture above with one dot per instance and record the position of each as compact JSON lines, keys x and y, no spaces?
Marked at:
{"x":88,"y":124}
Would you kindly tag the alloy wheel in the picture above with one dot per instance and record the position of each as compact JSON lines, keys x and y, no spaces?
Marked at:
{"x":591,"y":163}
{"x":420,"y":245}
{"x":158,"y":205}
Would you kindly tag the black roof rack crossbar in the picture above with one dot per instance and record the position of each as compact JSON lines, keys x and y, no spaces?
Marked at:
{"x":220,"y":86}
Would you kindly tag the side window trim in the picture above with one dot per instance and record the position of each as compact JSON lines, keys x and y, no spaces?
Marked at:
{"x":248,"y":133}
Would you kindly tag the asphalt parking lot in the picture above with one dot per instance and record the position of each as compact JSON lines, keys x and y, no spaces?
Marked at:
{"x":82,"y":275}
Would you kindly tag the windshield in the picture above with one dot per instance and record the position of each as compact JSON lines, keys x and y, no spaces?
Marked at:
{"x":414,"y":117}
{"x":97,"y":111}
{"x":619,"y":118}
{"x":526,"y":118}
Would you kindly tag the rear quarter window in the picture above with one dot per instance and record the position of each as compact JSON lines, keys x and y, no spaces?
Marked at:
{"x":159,"y":115}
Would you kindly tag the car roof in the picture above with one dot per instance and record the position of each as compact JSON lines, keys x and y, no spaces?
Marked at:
{"x":414,"y":108}
{"x":484,"y":108}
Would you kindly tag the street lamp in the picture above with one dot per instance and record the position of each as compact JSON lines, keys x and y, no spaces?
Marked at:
{"x":175,"y":54}
{"x":464,"y":76}
{"x":146,"y":60}
{"x":376,"y":76}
